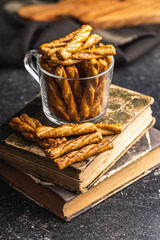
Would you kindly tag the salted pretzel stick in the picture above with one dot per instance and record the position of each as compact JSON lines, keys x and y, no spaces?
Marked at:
{"x":24,"y":122}
{"x":46,"y":143}
{"x":109,"y":129}
{"x":99,"y":93}
{"x":83,"y":153}
{"x":99,"y":52}
{"x":108,"y":59}
{"x":56,"y":43}
{"x":75,"y":43}
{"x":65,"y":130}
{"x":72,"y":72}
{"x":88,"y":96}
{"x":74,"y":144}
{"x":91,"y":41}
{"x":48,"y":50}
{"x":56,"y":100}
{"x":26,"y":126}
{"x":54,"y":61}
{"x":67,"y":93}
{"x":26,"y":130}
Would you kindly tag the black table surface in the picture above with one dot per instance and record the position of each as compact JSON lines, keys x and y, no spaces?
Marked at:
{"x":131,"y":214}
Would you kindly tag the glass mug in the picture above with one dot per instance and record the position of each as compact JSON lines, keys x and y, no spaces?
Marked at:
{"x":67,"y":100}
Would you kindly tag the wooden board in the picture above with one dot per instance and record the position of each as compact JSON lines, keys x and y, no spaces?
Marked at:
{"x":99,"y":14}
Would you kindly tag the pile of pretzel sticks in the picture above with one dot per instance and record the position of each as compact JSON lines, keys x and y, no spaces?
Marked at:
{"x":88,"y":138}
{"x":72,"y":57}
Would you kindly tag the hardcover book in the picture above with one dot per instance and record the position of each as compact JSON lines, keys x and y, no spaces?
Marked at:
{"x":129,"y":108}
{"x":140,"y":160}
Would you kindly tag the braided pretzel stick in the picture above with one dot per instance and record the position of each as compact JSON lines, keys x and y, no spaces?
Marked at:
{"x":54,"y":52}
{"x":48,"y":50}
{"x":65,"y":130}
{"x":99,"y":93}
{"x":90,"y":41}
{"x":72,"y":72}
{"x":96,"y":53}
{"x":92,"y":67}
{"x":109,"y":129}
{"x":83,"y":153}
{"x":75,"y":43}
{"x":67,"y":93}
{"x":74,"y":144}
{"x":61,"y":42}
{"x":26,"y":126}
{"x":50,"y":59}
{"x":105,"y":129}
{"x":55,"y":101}
{"x":108,"y":58}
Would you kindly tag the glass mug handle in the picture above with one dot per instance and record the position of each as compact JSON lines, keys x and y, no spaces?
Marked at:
{"x":29,"y":64}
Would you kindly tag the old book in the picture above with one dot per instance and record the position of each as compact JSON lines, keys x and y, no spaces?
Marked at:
{"x":140,"y":160}
{"x":127,"y":107}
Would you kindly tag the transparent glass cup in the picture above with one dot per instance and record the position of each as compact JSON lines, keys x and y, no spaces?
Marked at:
{"x":67,"y":100}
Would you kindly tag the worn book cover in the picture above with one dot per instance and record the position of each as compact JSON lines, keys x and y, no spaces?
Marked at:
{"x":140,"y":160}
{"x":129,"y":108}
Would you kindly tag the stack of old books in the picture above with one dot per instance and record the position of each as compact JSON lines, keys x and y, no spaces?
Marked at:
{"x":73,"y":190}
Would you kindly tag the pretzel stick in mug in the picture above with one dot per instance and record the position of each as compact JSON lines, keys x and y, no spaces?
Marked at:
{"x":88,"y":97}
{"x":75,"y":43}
{"x":67,"y":93}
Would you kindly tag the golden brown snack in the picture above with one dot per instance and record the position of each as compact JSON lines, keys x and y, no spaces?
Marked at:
{"x":109,"y":60}
{"x":92,"y":68}
{"x":67,"y":93}
{"x":34,"y":123}
{"x":95,"y":109}
{"x":91,"y":41}
{"x":77,"y":56}
{"x":83,"y":153}
{"x":56,"y":43}
{"x":26,"y":126}
{"x":72,"y":72}
{"x":74,"y":144}
{"x":75,"y":43}
{"x":18,"y":125}
{"x":65,"y":130}
{"x":103,"y":65}
{"x":99,"y":93}
{"x":99,"y":52}
{"x":109,"y":129}
{"x":54,"y":61}
{"x":50,"y":142}
{"x":56,"y":101}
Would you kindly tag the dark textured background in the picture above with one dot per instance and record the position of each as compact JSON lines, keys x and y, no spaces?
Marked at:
{"x":132,"y":214}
